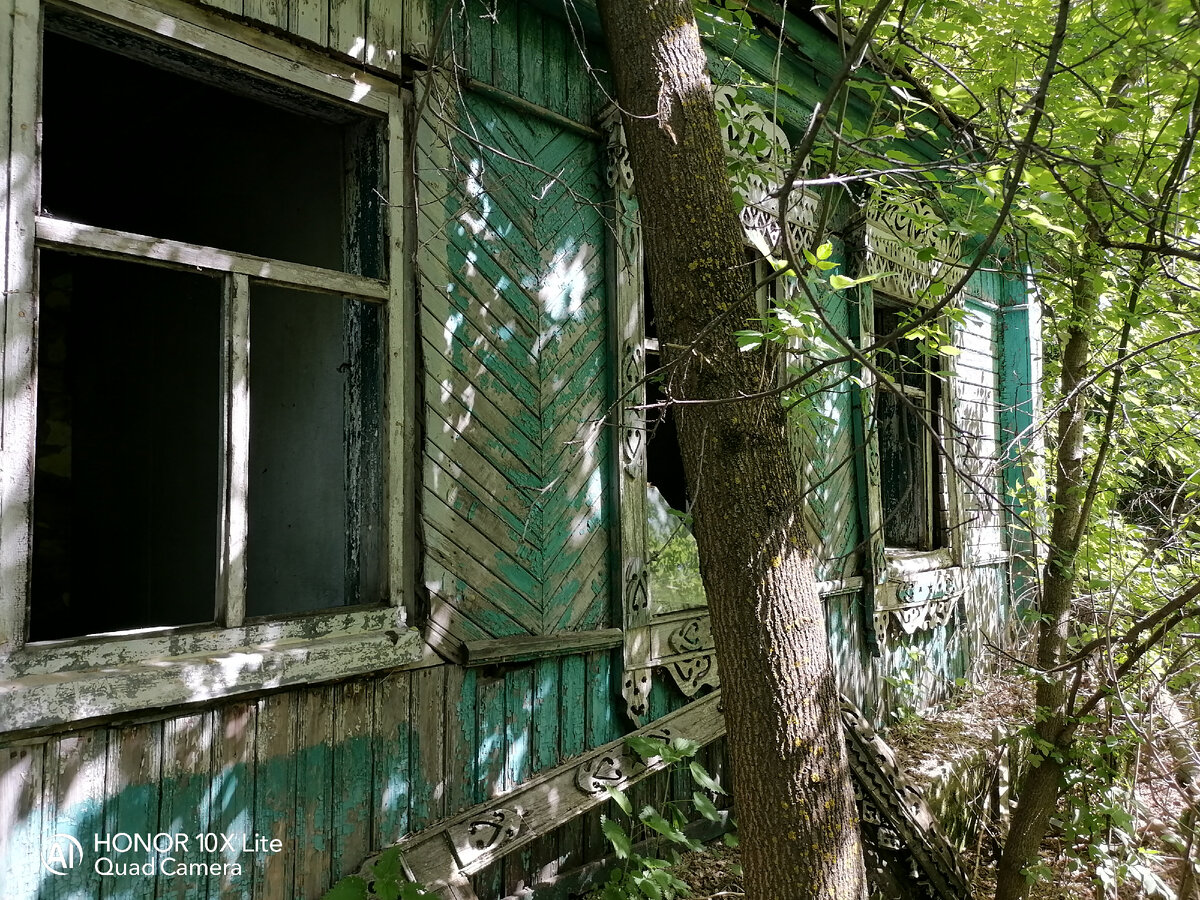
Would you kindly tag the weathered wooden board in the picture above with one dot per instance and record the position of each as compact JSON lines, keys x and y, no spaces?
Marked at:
{"x":439,"y":855}
{"x":516,"y":345}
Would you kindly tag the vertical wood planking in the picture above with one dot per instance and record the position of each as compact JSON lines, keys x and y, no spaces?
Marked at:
{"x":186,"y":774}
{"x":489,"y":731}
{"x":460,"y":738}
{"x":392,"y":780}
{"x":21,"y":812}
{"x":347,"y":27}
{"x":231,"y":799}
{"x":578,"y":79}
{"x":271,"y":12}
{"x":530,"y":53}
{"x":547,"y":743}
{"x":428,"y":743}
{"x":600,"y":728}
{"x":478,"y":27}
{"x":506,"y":58}
{"x":518,"y":757}
{"x":385,"y":34}
{"x":275,"y":794}
{"x":554,"y":51}
{"x":308,"y":19}
{"x":572,"y":717}
{"x":132,"y":780}
{"x":73,"y":804}
{"x":314,"y":800}
{"x":418,"y":28}
{"x":353,"y":775}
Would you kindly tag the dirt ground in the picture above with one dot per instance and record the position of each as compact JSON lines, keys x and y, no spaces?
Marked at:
{"x":921,"y":745}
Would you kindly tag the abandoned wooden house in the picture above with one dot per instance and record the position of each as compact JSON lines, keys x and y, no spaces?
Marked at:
{"x":405,"y":562}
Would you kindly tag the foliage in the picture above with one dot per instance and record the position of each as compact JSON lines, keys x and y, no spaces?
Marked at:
{"x":384,"y":881}
{"x":641,"y":877}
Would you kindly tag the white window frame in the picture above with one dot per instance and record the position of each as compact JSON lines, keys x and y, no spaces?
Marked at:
{"x":48,"y":683}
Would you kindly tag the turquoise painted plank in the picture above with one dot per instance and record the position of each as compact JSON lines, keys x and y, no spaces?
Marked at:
{"x":479,"y":25}
{"x":275,"y":766}
{"x":74,"y":808}
{"x":489,"y":729}
{"x":21,"y":810}
{"x":314,"y":790}
{"x":231,"y":798}
{"x":532,"y":57}
{"x":460,"y":738}
{"x":134,"y":776}
{"x":427,"y":746}
{"x":518,"y":726}
{"x":557,"y":49}
{"x":186,"y":777}
{"x":353,"y":775}
{"x":392,"y":779}
{"x":506,"y":51}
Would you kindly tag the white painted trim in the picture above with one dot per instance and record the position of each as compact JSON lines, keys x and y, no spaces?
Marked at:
{"x":45,"y":700}
{"x":48,"y":684}
{"x":227,"y":43}
{"x":120,"y":649}
{"x":235,"y":461}
{"x":63,"y":235}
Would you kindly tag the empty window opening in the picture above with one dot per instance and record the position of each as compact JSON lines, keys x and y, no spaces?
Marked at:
{"x":131,"y":147}
{"x":909,"y":465}
{"x":135,"y":437}
{"x":315,"y":489}
{"x":125,"y":481}
{"x":674,"y":560}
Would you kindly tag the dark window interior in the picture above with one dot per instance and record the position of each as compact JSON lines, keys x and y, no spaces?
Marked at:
{"x":908,"y":467}
{"x":125,"y":485}
{"x":131,"y":147}
{"x":316,"y":383}
{"x":126,"y":531}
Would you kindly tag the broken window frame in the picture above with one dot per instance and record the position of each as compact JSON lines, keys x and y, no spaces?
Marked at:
{"x":47,"y":683}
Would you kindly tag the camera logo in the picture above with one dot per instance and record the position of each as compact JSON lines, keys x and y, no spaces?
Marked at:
{"x":62,"y":854}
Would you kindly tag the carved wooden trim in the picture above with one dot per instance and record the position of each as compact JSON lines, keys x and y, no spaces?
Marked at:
{"x":888,"y":239}
{"x":443,"y":856}
{"x":628,"y":339}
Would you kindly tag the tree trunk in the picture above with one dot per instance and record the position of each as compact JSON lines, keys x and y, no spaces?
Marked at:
{"x":795,"y":805}
{"x":1037,"y":796}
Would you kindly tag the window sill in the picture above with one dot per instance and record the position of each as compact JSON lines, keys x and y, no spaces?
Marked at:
{"x":902,"y":564}
{"x":36,"y":694}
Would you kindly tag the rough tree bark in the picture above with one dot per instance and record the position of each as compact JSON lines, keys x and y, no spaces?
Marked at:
{"x":796,"y":814}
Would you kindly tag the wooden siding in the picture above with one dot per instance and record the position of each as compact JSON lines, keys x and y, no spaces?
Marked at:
{"x":334,"y":772}
{"x":516,"y":500}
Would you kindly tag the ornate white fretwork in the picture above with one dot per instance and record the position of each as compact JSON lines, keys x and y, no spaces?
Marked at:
{"x":900,"y":237}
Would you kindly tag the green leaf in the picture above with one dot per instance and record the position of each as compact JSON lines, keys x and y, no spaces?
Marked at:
{"x":685,"y":747}
{"x":351,"y":888}
{"x":654,"y":819}
{"x":621,"y":843}
{"x":841,"y":282}
{"x":646,"y":748}
{"x":620,"y":799}
{"x":702,"y":778}
{"x":730,"y":839}
{"x":705,"y":807}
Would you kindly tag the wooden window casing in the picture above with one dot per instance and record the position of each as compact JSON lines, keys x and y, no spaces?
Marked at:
{"x":48,"y":682}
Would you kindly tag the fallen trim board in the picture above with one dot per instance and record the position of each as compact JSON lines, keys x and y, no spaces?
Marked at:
{"x":440,"y":857}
